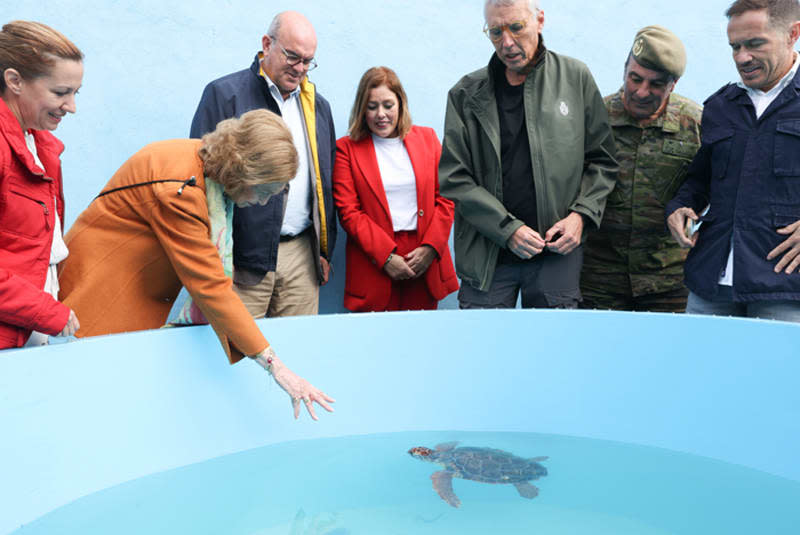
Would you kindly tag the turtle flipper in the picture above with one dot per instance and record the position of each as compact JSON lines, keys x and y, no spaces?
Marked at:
{"x":443,"y":485}
{"x":526,"y":490}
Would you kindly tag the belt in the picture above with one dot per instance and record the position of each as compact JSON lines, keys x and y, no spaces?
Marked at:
{"x":290,"y":237}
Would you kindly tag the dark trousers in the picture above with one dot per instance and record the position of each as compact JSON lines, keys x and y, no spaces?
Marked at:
{"x":612,"y":291}
{"x":548,"y":280}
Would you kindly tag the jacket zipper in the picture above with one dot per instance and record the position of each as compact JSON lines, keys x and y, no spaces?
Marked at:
{"x":46,"y":214}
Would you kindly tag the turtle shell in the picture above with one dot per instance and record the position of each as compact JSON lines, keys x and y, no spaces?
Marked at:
{"x":490,"y":466}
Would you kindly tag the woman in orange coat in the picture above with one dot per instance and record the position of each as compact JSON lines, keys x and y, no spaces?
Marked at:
{"x":386,"y":188}
{"x":163,"y":223}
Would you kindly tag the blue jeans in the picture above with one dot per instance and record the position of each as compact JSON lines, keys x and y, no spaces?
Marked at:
{"x":723,"y":305}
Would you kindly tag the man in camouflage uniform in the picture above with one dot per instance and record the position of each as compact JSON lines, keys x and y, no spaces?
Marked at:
{"x":632,"y":262}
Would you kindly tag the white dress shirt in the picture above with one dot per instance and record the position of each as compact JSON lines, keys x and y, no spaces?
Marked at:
{"x":297,"y":217}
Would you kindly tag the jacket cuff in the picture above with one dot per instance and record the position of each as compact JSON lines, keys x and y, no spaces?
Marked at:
{"x":508,"y":227}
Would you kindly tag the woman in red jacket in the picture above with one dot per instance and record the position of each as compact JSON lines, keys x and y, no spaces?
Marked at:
{"x":386,"y":188}
{"x":41,"y":74}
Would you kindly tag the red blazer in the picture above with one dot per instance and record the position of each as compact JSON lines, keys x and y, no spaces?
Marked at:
{"x":364,"y":213}
{"x":29,"y":200}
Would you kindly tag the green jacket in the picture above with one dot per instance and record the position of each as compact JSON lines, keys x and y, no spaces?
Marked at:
{"x":633,"y":240}
{"x":572,"y":153}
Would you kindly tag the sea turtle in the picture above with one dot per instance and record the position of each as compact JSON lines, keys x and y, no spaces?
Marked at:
{"x":486,"y":465}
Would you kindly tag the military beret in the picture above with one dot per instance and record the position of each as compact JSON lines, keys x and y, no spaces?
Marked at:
{"x":657,"y":48}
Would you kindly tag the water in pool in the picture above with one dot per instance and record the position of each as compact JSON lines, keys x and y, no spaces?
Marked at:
{"x":371,"y":485}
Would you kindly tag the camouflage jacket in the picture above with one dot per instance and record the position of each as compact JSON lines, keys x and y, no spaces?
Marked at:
{"x":653,"y":162}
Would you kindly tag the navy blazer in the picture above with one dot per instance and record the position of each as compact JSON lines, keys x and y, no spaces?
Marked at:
{"x":256,"y":229}
{"x":748,"y":169}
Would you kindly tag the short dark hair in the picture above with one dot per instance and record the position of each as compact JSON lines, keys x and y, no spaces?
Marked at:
{"x":781,"y":13}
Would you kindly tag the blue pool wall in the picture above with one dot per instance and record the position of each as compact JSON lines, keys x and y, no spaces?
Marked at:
{"x":147,"y":62}
{"x":81,"y":417}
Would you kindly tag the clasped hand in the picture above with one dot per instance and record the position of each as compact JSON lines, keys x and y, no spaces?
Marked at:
{"x":561,"y":238}
{"x":412,"y":265}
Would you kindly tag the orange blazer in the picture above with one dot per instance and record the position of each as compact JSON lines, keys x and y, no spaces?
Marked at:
{"x":364,"y":213}
{"x":131,"y":251}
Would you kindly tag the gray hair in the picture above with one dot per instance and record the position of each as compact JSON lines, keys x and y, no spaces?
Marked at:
{"x":532,"y":4}
{"x":275,"y":25}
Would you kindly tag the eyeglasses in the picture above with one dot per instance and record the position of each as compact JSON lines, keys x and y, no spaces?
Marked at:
{"x":293,"y":59}
{"x":495,"y":33}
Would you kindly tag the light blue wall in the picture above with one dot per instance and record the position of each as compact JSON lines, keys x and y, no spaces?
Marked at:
{"x":77,"y":418}
{"x":147,"y":62}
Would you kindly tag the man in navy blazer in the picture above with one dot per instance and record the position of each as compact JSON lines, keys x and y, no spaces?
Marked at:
{"x":282,"y":251}
{"x":745,"y":179}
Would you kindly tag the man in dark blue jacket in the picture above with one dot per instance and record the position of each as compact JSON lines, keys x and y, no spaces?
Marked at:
{"x":744,"y":259}
{"x":282,"y":250}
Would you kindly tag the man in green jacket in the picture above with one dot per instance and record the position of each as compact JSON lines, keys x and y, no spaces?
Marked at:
{"x":632,"y":262}
{"x":528,"y":159}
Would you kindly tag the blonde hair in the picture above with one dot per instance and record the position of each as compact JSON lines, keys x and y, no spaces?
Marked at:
{"x":376,"y":77}
{"x":256,"y":148}
{"x":32,"y":48}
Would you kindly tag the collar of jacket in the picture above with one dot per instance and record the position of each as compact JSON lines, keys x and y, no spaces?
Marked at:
{"x":483,"y":101}
{"x":308,"y":94}
{"x":47,"y":144}
{"x":733,"y":92}
{"x":485,"y":91}
{"x":668,"y":121}
{"x":497,"y":67}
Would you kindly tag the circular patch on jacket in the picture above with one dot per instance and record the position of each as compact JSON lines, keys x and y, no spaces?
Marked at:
{"x":563,"y":108}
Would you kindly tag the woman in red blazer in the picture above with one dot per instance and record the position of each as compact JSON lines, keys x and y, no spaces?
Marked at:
{"x":40,"y":74}
{"x":386,"y":188}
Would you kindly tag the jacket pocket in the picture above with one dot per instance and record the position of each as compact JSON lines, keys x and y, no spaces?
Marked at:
{"x":720,"y":141}
{"x":24,"y":215}
{"x":785,"y":215}
{"x":671,"y":187}
{"x":787,"y":148}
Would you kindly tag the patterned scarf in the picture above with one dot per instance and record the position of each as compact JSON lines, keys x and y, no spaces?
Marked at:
{"x":220,"y":214}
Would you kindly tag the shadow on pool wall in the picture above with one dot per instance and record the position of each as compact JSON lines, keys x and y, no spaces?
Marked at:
{"x":77,"y":418}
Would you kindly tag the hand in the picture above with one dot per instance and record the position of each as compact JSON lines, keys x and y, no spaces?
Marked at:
{"x":565,"y":235}
{"x":326,"y":270}
{"x":420,"y":259}
{"x":525,"y":242}
{"x":677,"y":226}
{"x":398,"y":269}
{"x":72,"y":325}
{"x":299,"y":390}
{"x":790,"y":248}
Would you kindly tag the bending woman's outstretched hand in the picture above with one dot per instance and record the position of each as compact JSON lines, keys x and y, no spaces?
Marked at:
{"x":299,"y":390}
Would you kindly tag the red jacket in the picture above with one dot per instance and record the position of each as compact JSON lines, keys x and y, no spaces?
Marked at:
{"x":27,"y":217}
{"x":364,"y":214}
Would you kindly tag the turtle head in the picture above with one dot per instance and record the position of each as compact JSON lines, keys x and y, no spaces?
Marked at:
{"x":422,"y":453}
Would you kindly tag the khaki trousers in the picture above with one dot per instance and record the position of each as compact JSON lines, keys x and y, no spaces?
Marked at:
{"x":292,"y":289}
